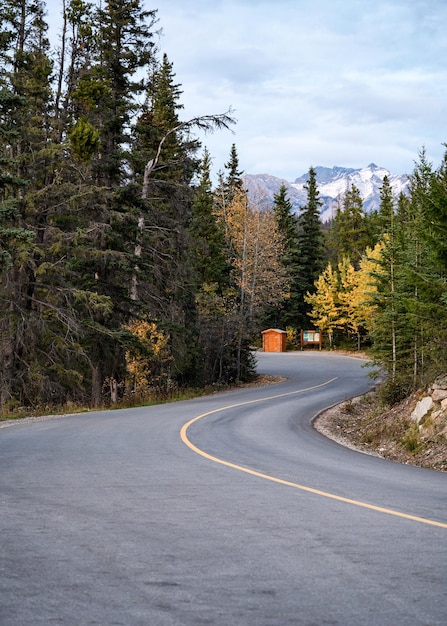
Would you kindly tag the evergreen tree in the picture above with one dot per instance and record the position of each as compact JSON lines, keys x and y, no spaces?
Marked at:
{"x":436,"y":215}
{"x":102,"y":102}
{"x":379,"y":221}
{"x":310,"y":247}
{"x":94,"y":215}
{"x":165,"y":163}
{"x":286,"y":312}
{"x":409,"y":327}
{"x":16,"y":243}
{"x":26,"y":166}
{"x":70,"y":342}
{"x":228,"y":188}
{"x":233,"y":182}
{"x":386,"y":209}
{"x":424,"y":287}
{"x":208,"y":241}
{"x":216,"y":313}
{"x":349,"y":235}
{"x":125,"y":46}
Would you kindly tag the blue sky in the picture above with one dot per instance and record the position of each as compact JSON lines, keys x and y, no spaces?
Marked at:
{"x":312,"y":82}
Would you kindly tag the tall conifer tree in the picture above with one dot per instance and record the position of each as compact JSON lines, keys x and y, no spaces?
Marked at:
{"x":27,"y":167}
{"x":349,"y":235}
{"x":103,"y":101}
{"x":310,"y":246}
{"x":436,"y":212}
{"x":165,"y":163}
{"x":407,"y":332}
{"x":208,"y":241}
{"x":286,"y":312}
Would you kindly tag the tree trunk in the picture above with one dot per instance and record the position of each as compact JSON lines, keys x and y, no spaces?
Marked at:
{"x":6,"y":358}
{"x":96,"y":386}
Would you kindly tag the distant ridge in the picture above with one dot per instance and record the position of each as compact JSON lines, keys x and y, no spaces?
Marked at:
{"x":332,"y":183}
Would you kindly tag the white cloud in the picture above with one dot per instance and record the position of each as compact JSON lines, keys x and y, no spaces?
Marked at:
{"x":313,"y":82}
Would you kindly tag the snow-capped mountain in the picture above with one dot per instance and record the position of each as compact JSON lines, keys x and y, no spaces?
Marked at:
{"x":332,"y":184}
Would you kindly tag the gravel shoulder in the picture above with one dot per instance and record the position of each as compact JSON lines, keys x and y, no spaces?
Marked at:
{"x":391,"y":433}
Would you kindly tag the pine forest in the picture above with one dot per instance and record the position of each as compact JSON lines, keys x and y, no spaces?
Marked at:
{"x":127,"y":275}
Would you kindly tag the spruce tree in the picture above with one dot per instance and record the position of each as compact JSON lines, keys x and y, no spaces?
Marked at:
{"x":165,"y":163}
{"x":386,"y":209}
{"x":310,"y":247}
{"x":436,"y":215}
{"x":229,"y":186}
{"x":286,"y":312}
{"x":422,"y":273}
{"x":233,"y":181}
{"x":349,"y":235}
{"x":408,"y":330}
{"x":27,"y":167}
{"x":208,"y":242}
{"x":102,"y":96}
{"x":211,"y":280}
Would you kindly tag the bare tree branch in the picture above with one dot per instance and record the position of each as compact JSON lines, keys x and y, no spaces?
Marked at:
{"x":208,"y":123}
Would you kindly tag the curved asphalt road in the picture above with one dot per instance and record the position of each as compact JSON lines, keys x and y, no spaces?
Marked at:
{"x":226,"y":510}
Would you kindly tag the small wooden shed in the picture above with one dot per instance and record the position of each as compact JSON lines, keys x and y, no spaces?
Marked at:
{"x":274,"y":340}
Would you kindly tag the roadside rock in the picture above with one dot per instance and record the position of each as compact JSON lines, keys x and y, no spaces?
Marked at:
{"x":439,"y":394}
{"x":421,"y":409}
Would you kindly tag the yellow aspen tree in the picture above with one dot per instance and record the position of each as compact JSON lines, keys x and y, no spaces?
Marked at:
{"x":357,"y":290}
{"x":369,"y":268}
{"x":325,"y":312}
{"x":350,"y":299}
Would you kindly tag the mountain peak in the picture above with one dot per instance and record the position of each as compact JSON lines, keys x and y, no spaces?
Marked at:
{"x":332,"y":184}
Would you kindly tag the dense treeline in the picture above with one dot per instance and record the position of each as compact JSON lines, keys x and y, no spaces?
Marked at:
{"x":124,"y":273}
{"x":385,"y":283}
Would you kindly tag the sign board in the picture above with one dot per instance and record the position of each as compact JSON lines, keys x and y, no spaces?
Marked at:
{"x":310,"y":337}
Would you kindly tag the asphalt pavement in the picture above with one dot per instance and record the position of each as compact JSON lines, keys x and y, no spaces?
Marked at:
{"x":224,"y":510}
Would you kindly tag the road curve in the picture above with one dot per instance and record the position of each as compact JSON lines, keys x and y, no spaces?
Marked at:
{"x":228,"y":509}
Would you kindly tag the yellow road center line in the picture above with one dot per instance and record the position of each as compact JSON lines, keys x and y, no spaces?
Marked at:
{"x":184,"y":437}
